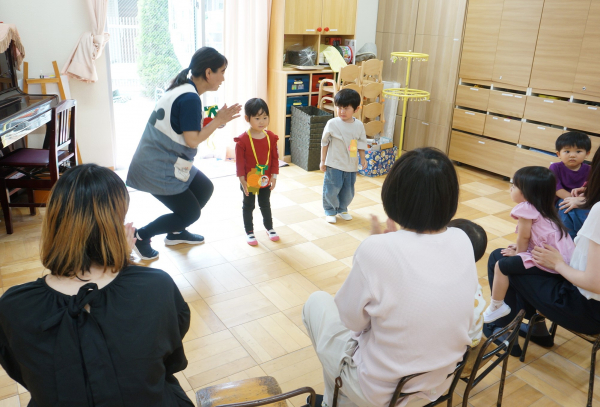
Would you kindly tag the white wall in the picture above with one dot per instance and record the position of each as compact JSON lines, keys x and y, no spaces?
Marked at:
{"x":49,"y":31}
{"x":366,"y":22}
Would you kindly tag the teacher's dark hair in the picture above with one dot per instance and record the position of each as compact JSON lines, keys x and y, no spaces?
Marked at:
{"x":84,"y":221}
{"x":203,"y":59}
{"x":421,"y":191}
{"x":592,"y":190}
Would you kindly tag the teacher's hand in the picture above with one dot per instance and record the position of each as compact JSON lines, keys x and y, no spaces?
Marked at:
{"x":547,"y":256}
{"x":227,"y":114}
{"x":571,"y":203}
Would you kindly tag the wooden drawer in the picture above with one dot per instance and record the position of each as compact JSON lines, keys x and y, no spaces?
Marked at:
{"x":584,"y":117}
{"x":547,"y":110}
{"x":537,"y":136}
{"x":475,"y":98}
{"x":502,"y":128}
{"x":482,"y":153}
{"x":527,"y":158}
{"x":510,"y":104}
{"x":466,"y":120}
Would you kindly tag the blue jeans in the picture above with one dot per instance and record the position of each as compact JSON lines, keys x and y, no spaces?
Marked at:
{"x":338,"y":191}
{"x":574,"y":219}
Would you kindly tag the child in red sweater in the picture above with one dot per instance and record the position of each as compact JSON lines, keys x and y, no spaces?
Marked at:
{"x":257,"y":162}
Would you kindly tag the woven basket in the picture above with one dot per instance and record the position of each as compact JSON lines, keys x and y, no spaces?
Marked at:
{"x":308,"y":123}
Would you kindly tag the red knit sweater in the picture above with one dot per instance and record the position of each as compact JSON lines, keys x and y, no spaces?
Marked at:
{"x":244,"y":157}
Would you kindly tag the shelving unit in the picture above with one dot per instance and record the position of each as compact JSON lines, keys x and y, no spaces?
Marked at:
{"x":509,"y":110}
{"x":309,"y":23}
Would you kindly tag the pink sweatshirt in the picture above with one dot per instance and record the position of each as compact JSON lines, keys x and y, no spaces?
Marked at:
{"x":410,"y":298}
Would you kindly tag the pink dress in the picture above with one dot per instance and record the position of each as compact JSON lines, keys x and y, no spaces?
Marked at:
{"x":543,"y":231}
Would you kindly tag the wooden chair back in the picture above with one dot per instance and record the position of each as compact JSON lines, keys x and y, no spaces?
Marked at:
{"x":372,"y":111}
{"x":348,"y":74}
{"x":371,"y":71}
{"x":373,"y":128}
{"x":258,"y":391}
{"x":372,"y":91}
{"x":60,"y":134}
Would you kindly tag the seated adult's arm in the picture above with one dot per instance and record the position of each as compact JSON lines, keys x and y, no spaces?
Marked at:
{"x":224,"y":116}
{"x":8,"y":360}
{"x":176,"y":361}
{"x":352,"y":299}
{"x":588,"y":280}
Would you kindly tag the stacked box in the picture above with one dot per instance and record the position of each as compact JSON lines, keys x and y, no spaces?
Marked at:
{"x":305,"y":138}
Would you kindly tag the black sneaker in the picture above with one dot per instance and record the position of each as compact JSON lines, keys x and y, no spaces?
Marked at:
{"x":183,"y":237}
{"x":144,"y":250}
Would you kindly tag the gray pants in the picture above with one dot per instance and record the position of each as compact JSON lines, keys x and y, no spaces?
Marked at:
{"x":335,"y":346}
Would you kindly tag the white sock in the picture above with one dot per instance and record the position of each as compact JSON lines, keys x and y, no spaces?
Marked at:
{"x":494,"y":305}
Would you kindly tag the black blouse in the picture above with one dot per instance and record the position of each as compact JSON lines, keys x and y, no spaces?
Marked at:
{"x":123,"y":353}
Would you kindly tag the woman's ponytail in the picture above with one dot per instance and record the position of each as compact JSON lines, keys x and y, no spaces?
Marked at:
{"x":180,"y":79}
{"x":203,"y":59}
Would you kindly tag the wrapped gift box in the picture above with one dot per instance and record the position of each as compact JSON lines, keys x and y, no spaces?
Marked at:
{"x":379,"y":162}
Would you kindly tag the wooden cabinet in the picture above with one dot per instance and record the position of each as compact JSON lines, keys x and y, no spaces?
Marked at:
{"x":547,"y":110}
{"x":339,"y":17}
{"x":502,"y":128}
{"x":583,"y":117}
{"x":538,"y":136}
{"x":469,"y":96}
{"x":587,"y":79}
{"x":526,"y":158}
{"x":507,"y":103}
{"x":516,"y":41}
{"x":559,"y":44}
{"x":320,"y":17}
{"x":480,"y":39}
{"x":466,"y":120}
{"x":303,"y":16}
{"x":482,"y":153}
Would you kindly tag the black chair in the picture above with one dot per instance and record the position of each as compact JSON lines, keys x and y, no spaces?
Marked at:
{"x":593,"y":339}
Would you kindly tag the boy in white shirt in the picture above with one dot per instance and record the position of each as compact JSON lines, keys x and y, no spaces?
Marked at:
{"x":344,"y":138}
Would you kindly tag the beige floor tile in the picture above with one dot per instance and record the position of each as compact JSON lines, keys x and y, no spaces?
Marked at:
{"x":339,"y":246}
{"x":162,"y":262}
{"x":214,"y":229}
{"x":287,"y":291}
{"x":8,"y":391}
{"x":192,"y":396}
{"x":479,"y":188}
{"x":503,"y":197}
{"x":499,"y":243}
{"x":466,"y":212}
{"x":263,"y":267}
{"x":302,"y":195}
{"x":496,"y":226}
{"x":328,"y":277}
{"x":24,"y":398}
{"x":203,"y":321}
{"x":513,"y":387}
{"x":545,"y":402}
{"x":215,"y":357}
{"x":361,"y":201}
{"x":11,"y":401}
{"x":190,"y":258}
{"x":376,"y":210}
{"x":237,"y":248}
{"x":240,"y":306}
{"x":311,"y":179}
{"x":189,"y":294}
{"x":365,"y":184}
{"x":277,"y":201}
{"x":315,"y":207}
{"x":372,"y":194}
{"x":360,"y":234}
{"x":466,"y":196}
{"x":288,"y":184}
{"x":303,"y":256}
{"x":270,"y":337}
{"x":295,"y":315}
{"x":292,"y":214}
{"x":315,"y":229}
{"x":18,"y":250}
{"x":487,"y":205}
{"x":287,"y":237}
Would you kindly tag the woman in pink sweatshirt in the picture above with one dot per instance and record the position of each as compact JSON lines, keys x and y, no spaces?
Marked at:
{"x":407,"y":304}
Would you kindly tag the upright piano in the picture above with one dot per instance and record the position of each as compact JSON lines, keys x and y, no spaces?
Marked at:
{"x":20,"y":113}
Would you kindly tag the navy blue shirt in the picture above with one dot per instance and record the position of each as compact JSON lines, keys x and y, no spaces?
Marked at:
{"x":186,"y":112}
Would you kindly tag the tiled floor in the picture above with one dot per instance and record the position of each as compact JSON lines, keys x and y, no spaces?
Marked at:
{"x":246,"y":301}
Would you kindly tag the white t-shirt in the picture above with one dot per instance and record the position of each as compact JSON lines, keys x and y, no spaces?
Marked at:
{"x":589,"y":231}
{"x":410,"y":296}
{"x":338,"y":135}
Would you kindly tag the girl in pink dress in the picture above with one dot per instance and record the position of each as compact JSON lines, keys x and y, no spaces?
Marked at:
{"x":533,"y":190}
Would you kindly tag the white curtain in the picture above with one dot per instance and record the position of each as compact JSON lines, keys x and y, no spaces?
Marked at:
{"x":246,"y":40}
{"x":81,"y":63}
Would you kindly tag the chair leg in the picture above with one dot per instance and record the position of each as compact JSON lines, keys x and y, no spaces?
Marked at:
{"x":534,"y":319}
{"x":592,"y":374}
{"x":502,"y":379}
{"x":31,"y":199}
{"x":4,"y":201}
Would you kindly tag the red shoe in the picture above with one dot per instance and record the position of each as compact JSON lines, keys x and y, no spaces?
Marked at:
{"x":273,"y":235}
{"x":251,"y":240}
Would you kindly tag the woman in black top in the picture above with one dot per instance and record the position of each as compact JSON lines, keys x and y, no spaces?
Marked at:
{"x":96,"y":331}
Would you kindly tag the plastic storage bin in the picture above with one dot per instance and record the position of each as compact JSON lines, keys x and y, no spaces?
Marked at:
{"x":298,"y":83}
{"x":317,"y":78}
{"x":295,"y":101}
{"x":288,"y":150}
{"x":288,"y":125}
{"x":307,"y":130}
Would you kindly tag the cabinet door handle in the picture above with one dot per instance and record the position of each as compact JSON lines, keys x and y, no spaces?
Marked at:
{"x":326,"y":29}
{"x":426,"y":124}
{"x":481,"y":142}
{"x":472,"y":114}
{"x":333,"y":29}
{"x":541,"y":128}
{"x":548,"y":101}
{"x":475,"y":89}
{"x":310,"y":29}
{"x":507,"y":94}
{"x":592,"y":108}
{"x":507,"y":120}
{"x":319,"y":29}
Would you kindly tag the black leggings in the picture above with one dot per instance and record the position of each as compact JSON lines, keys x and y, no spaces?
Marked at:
{"x":264,"y":203}
{"x":552,"y":295}
{"x":186,"y":208}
